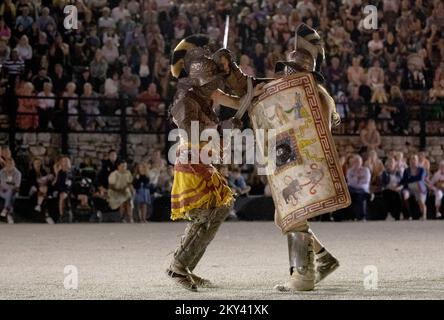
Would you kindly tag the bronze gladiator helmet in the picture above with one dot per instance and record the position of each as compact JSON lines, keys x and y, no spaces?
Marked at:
{"x":180,"y":51}
{"x":191,"y":62}
{"x":308,"y":55}
{"x":200,"y":68}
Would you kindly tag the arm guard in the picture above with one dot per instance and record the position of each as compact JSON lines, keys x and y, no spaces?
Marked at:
{"x":328,"y":108}
{"x":235,"y":80}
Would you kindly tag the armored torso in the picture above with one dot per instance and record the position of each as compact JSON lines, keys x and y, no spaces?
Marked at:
{"x":191,"y":105}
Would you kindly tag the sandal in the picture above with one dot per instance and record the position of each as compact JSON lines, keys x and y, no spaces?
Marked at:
{"x":185,"y":281}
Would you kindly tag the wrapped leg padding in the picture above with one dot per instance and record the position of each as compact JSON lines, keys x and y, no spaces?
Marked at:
{"x":198,"y":235}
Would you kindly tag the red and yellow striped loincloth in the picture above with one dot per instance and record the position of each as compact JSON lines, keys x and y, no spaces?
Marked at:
{"x":198,"y":186}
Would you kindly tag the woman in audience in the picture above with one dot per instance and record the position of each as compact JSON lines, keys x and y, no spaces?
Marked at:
{"x":73,"y":106}
{"x":90,"y":106}
{"x":355,"y":73}
{"x":62,"y":184}
{"x":142,"y":197}
{"x":5,"y":154}
{"x":399,"y":111}
{"x":391,"y":184}
{"x":38,"y":179}
{"x":370,"y":137}
{"x":28,"y":106}
{"x":165,"y":181}
{"x":414,"y":184}
{"x":157,"y":164}
{"x":376,"y":168}
{"x":437,"y":185}
{"x":401,"y":164}
{"x":424,"y":162}
{"x":358,"y":180}
{"x":24,"y":49}
{"x":10,"y":180}
{"x":120,"y":191}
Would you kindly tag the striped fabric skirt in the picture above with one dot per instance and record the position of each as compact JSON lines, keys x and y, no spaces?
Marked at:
{"x":198,"y":186}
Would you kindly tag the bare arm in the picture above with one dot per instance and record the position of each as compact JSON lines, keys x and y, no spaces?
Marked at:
{"x":363,"y":136}
{"x":220,"y":97}
{"x":231,"y":101}
{"x":378,"y":141}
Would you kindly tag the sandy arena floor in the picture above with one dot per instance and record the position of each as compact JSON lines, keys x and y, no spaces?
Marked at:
{"x":122,"y":261}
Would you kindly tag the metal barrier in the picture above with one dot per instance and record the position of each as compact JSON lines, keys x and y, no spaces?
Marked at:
{"x":107,"y":116}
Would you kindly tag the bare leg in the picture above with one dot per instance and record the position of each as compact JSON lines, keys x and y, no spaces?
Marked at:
{"x":129,"y":211}
{"x":438,"y":201}
{"x":142,"y":212}
{"x":423,"y":209}
{"x":83,"y":198}
{"x":62,"y":199}
{"x":40,"y":199}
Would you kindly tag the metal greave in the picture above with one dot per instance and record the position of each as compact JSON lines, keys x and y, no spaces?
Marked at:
{"x":300,"y":252}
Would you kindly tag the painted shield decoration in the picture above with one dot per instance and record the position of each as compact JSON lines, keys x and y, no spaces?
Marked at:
{"x":304,"y":174}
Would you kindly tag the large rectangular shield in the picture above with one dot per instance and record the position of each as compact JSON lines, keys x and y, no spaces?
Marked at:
{"x":307,"y":179}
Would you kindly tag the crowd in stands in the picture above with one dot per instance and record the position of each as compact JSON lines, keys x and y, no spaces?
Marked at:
{"x":122,"y":48}
{"x":58,"y":190}
{"x":402,"y":183}
{"x":396,"y":179}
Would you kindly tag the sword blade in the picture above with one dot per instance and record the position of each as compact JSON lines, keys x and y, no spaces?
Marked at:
{"x":227,"y":27}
